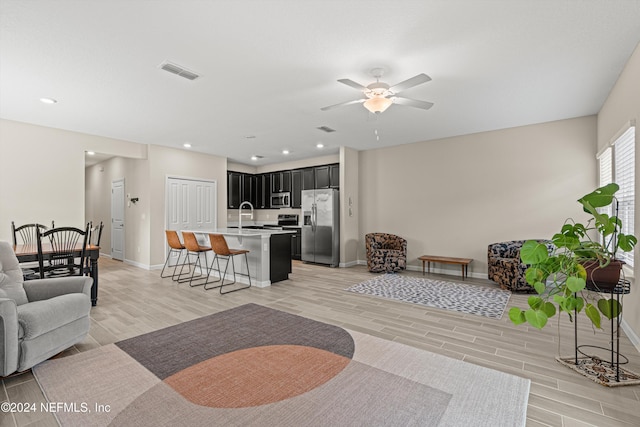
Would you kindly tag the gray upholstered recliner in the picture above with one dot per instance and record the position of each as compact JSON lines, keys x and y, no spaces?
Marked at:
{"x":38,"y":318}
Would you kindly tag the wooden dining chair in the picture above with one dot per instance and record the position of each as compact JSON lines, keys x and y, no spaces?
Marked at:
{"x":95,"y":235}
{"x":27,"y":234}
{"x":62,"y":251}
{"x":221,"y":250}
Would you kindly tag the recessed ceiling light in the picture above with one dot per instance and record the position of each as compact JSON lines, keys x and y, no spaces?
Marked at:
{"x":285,"y":152}
{"x":48,"y":100}
{"x":91,"y":153}
{"x":254,"y":157}
{"x":319,"y":145}
{"x":186,"y":145}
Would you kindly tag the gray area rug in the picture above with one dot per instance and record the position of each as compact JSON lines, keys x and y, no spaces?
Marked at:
{"x":464,"y":298}
{"x":256,"y":366}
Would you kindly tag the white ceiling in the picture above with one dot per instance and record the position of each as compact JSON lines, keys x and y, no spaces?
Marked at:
{"x":267,"y":67}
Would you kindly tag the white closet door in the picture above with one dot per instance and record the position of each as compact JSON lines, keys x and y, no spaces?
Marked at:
{"x":191,"y":205}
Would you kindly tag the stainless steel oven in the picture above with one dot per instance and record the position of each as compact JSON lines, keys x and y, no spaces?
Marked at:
{"x":281,"y":200}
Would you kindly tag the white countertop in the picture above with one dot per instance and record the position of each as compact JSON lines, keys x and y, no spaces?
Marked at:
{"x":244,"y":232}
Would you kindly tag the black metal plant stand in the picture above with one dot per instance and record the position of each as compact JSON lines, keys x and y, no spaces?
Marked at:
{"x":622,"y":288}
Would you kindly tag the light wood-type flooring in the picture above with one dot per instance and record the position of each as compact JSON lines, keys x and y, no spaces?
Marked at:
{"x":133,"y":301}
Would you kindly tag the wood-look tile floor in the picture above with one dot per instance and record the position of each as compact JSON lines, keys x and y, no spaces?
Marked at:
{"x":133,"y":301}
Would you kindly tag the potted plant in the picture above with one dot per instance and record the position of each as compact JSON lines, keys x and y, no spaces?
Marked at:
{"x":564,"y":278}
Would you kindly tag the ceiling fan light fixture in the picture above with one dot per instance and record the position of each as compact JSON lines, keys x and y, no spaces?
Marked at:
{"x":377,"y":105}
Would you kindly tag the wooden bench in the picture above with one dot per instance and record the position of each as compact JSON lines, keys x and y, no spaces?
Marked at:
{"x":463,"y":262}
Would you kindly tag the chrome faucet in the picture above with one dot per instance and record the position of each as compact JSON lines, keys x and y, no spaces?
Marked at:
{"x":240,"y":214}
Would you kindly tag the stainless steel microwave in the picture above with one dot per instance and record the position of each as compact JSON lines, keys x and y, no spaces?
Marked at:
{"x":281,"y":200}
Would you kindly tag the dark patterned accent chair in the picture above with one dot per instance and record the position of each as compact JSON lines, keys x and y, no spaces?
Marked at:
{"x":505,"y":267}
{"x":386,"y":252}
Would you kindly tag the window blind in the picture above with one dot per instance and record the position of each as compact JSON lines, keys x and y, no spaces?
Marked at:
{"x":624,"y":176}
{"x":605,"y":168}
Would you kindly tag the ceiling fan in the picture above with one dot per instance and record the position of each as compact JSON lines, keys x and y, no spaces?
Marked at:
{"x":380,"y":96}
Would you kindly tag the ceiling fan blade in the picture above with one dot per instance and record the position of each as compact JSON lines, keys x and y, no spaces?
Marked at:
{"x":412,"y":102}
{"x":409,"y":83}
{"x":352,"y":84}
{"x":356,"y":101}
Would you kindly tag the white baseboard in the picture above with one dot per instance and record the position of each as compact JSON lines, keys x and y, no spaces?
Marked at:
{"x":137,"y":264}
{"x":631,"y":334}
{"x":348,"y":264}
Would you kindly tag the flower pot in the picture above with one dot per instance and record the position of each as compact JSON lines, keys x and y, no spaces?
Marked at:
{"x":602,"y":279}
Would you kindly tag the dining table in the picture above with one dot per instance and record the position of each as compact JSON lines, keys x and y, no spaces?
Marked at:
{"x":29,"y":253}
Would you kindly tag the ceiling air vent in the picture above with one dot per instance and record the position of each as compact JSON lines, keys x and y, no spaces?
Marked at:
{"x":326,"y":129}
{"x":177,"y":69}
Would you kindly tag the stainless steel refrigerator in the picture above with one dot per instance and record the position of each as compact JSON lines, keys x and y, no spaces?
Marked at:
{"x":321,"y":226}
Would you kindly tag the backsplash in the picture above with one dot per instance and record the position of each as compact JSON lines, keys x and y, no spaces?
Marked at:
{"x":262,"y":215}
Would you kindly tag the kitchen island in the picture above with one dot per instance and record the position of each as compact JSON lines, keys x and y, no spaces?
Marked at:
{"x":269,"y":253}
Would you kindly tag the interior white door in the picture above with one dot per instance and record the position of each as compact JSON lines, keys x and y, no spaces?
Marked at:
{"x":117,"y":219}
{"x":191,"y":205}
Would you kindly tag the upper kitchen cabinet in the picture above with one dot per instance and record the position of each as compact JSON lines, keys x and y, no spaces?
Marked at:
{"x":327,"y":176}
{"x":250,"y":189}
{"x":334,"y":176}
{"x":263,"y":200}
{"x":296,"y":188}
{"x":241,"y":187}
{"x":234,"y":189}
{"x":308,"y":179}
{"x":280,"y":181}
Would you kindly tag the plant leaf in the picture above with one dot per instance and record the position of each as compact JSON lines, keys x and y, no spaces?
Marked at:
{"x":535,"y":302}
{"x":627,"y":242}
{"x":533,"y":275}
{"x":517,"y":316}
{"x":593,"y":314}
{"x":609,"y":307}
{"x":539,"y":287}
{"x":533,"y":252}
{"x":536,"y":318}
{"x":575,"y":284}
{"x":549,"y":309}
{"x":600,"y":197}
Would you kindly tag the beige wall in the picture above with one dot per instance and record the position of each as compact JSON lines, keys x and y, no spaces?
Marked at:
{"x":621,"y":107}
{"x":42,"y":173}
{"x":165,"y":162}
{"x":146,"y":179}
{"x":455,"y":196}
{"x":349,"y":206}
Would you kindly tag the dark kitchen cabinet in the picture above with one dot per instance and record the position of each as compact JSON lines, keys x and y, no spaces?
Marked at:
{"x":296,"y":189}
{"x":249,"y":189}
{"x":263,"y":197}
{"x":334,"y":176}
{"x":241,"y":187}
{"x":323,"y":177}
{"x":308,"y":179}
{"x":257,"y":189}
{"x":296,"y":243}
{"x":280,"y":181}
{"x":234,"y":190}
{"x":327,"y":176}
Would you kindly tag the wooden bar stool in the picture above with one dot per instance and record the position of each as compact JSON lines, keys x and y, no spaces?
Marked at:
{"x":221,"y":250}
{"x":175,"y":245}
{"x":193,"y":248}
